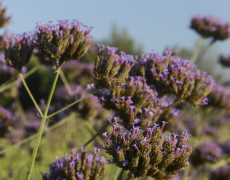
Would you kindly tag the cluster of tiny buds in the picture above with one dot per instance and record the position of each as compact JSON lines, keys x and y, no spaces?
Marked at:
{"x":111,"y":69}
{"x":210,"y":27}
{"x":79,"y":166}
{"x":174,"y":75}
{"x":63,"y":41}
{"x":224,"y":60}
{"x":147,"y":152}
{"x":133,"y":102}
{"x":18,"y":49}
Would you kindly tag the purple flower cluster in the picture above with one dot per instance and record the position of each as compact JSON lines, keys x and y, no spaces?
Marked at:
{"x":174,"y":75}
{"x":64,"y":41}
{"x":219,"y":97}
{"x":79,"y":166}
{"x":208,"y":26}
{"x":134,"y":102}
{"x":18,"y":49}
{"x":206,"y":152}
{"x":224,"y":60}
{"x":147,"y":152}
{"x":110,"y":69}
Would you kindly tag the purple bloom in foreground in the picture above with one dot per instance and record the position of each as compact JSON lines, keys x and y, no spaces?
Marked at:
{"x":147,"y":152}
{"x":78,"y":166}
{"x":63,"y":41}
{"x":174,"y":75}
{"x":111,"y":69}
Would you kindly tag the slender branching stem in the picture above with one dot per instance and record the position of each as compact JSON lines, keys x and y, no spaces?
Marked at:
{"x":197,"y":50}
{"x":99,"y":133}
{"x":43,"y":123}
{"x":65,"y":82}
{"x":186,"y":172}
{"x":30,"y":94}
{"x":72,"y":104}
{"x":10,"y":84}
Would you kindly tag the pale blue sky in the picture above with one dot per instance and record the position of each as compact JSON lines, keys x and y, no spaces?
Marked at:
{"x":155,"y":24}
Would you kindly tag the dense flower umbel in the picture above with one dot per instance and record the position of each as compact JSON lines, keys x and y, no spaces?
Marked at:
{"x":219,"y":97}
{"x":63,"y":41}
{"x":18,"y":49}
{"x":134,"y":102}
{"x":174,"y":75}
{"x":206,"y":152}
{"x":147,"y":152}
{"x":210,"y":27}
{"x":77,"y":166}
{"x":224,"y":60}
{"x":4,"y":20}
{"x":111,"y":69}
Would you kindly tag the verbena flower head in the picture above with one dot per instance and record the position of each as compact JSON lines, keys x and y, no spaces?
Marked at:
{"x":134,"y":102}
{"x":174,"y":75}
{"x":219,"y":97}
{"x":63,"y":41}
{"x":4,"y":20}
{"x":206,"y":152}
{"x":224,"y":60}
{"x":147,"y":152}
{"x":18,"y":49}
{"x":210,"y":27}
{"x":77,"y":165}
{"x":111,"y":69}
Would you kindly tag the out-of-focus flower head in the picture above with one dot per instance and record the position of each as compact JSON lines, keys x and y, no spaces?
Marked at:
{"x":134,"y":102}
{"x":77,"y":165}
{"x":18,"y":49}
{"x":206,"y":152}
{"x":110,"y":69}
{"x":210,"y":27}
{"x":147,"y":152}
{"x":6,"y":120}
{"x":63,"y":41}
{"x":89,"y":108}
{"x":224,"y":60}
{"x":174,"y":75}
{"x":222,"y":173}
{"x":4,"y":20}
{"x":219,"y":97}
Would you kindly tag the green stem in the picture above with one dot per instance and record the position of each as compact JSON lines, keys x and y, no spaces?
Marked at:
{"x":43,"y":123}
{"x":30,"y":94}
{"x":10,"y":84}
{"x":30,"y":138}
{"x":99,"y":133}
{"x":21,"y":110}
{"x":186,"y":172}
{"x":197,"y":49}
{"x":204,"y":50}
{"x":72,"y":104}
{"x":65,"y":82}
